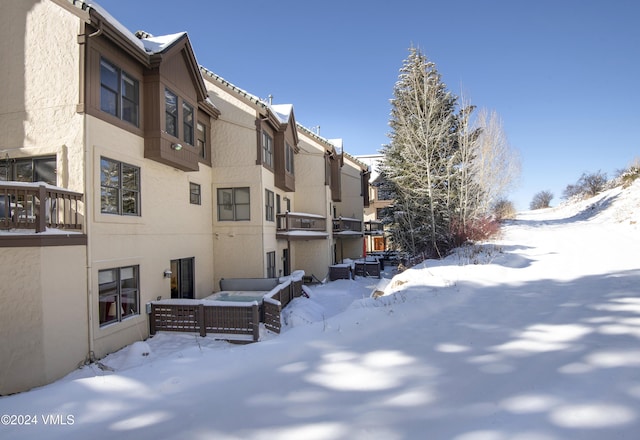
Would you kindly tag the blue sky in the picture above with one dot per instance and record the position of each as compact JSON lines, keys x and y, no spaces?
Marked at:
{"x":563,"y":75}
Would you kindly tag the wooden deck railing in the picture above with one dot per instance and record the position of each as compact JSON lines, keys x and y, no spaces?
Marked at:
{"x":343,"y":224}
{"x":232,"y":321}
{"x":295,"y":221}
{"x":38,"y":206}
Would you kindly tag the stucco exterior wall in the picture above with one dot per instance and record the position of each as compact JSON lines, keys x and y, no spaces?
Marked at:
{"x":240,"y":247}
{"x":43,"y":318}
{"x":40,"y":87}
{"x":169,"y":228}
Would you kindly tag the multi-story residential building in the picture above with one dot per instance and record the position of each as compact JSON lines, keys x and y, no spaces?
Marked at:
{"x":290,"y":182}
{"x":159,"y":179}
{"x":379,"y":199}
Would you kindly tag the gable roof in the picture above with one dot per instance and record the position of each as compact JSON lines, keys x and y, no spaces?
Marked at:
{"x":142,"y":46}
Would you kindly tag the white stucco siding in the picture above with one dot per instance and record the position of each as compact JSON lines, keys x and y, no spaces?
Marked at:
{"x":169,"y":227}
{"x":352,"y":203}
{"x":43,"y":318}
{"x":40,"y":87}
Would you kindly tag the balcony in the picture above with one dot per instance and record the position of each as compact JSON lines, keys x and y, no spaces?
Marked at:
{"x":373,"y":228}
{"x":347,"y":227}
{"x":301,"y":226}
{"x":29,"y":210}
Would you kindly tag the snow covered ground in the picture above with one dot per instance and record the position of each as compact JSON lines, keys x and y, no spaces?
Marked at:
{"x":535,"y":336}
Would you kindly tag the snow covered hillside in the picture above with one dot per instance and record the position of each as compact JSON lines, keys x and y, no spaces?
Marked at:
{"x":535,"y":336}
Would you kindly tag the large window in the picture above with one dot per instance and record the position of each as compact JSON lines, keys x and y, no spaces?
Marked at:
{"x":268,"y":205}
{"x":271,"y":264}
{"x":233,"y":204}
{"x":31,"y":169}
{"x":267,"y":149}
{"x":119,"y":93}
{"x":187,"y":123}
{"x":118,"y":294}
{"x":171,"y":113}
{"x":119,"y":188}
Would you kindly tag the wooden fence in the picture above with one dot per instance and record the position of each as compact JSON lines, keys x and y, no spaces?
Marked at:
{"x":231,"y":321}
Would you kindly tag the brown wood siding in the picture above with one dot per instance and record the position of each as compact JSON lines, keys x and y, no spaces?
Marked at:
{"x":176,"y":75}
{"x":100,"y":47}
{"x":285,"y":181}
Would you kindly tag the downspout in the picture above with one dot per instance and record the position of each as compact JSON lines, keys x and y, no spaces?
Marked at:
{"x":88,"y":208}
{"x":83,"y":39}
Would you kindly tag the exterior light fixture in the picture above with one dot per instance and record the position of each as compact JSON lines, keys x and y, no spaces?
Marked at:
{"x":176,"y":147}
{"x":167,"y":273}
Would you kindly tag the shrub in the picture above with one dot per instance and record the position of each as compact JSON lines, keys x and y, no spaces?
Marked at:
{"x":504,"y":209}
{"x":588,"y":185}
{"x":630,"y":174}
{"x":541,"y":200}
{"x":474,"y":230}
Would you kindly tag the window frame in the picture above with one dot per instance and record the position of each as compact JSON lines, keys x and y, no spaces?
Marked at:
{"x":121,"y":313}
{"x":188,"y":126}
{"x":120,"y":97}
{"x":9,"y":169}
{"x":201,"y":139}
{"x":119,"y":189}
{"x":289,"y":159}
{"x":267,"y":149}
{"x":170,"y":115}
{"x":195,"y":193}
{"x":269,"y":205}
{"x":271,"y":264}
{"x":231,"y":203}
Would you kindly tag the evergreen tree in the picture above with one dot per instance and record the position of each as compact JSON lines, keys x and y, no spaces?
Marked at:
{"x":421,"y":160}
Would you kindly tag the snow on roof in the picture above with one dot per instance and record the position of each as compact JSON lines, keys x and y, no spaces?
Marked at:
{"x":149,"y":45}
{"x":159,"y":44}
{"x":337,"y":143}
{"x":115,"y":23}
{"x":282,"y":111}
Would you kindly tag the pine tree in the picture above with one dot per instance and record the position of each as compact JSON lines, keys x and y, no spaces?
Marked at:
{"x":420,"y":161}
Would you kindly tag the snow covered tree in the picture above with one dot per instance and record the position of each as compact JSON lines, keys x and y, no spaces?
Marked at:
{"x":420,"y":160}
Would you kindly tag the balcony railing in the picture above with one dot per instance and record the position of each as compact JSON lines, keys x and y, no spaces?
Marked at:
{"x":300,"y":225}
{"x":347,"y":226}
{"x":39,"y":206}
{"x":373,"y":228}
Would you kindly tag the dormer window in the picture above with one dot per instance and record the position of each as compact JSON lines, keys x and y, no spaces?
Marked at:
{"x":171,"y":113}
{"x":289,"y":154}
{"x":119,"y":93}
{"x":187,"y":118}
{"x":201,"y":142}
{"x":267,"y":149}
